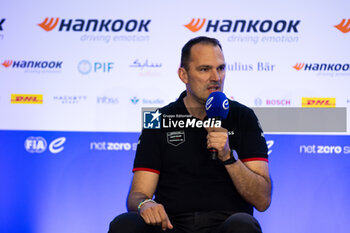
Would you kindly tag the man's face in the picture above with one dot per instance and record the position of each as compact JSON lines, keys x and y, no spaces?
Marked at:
{"x":206,"y":72}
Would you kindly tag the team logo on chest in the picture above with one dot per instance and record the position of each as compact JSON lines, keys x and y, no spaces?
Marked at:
{"x":175,"y":138}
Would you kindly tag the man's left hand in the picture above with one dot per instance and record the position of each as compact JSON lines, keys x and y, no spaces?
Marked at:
{"x":218,"y":138}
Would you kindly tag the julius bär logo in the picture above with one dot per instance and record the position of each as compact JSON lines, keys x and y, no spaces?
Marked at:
{"x":26,"y":99}
{"x":7,"y":63}
{"x":195,"y":25}
{"x":343,"y":26}
{"x":49,"y":24}
{"x":318,"y":102}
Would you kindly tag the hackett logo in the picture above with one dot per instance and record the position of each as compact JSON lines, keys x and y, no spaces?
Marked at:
{"x":254,"y":26}
{"x":343,"y":26}
{"x":93,"y":25}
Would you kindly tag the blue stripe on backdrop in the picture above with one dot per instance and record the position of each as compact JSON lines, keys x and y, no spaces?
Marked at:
{"x":78,"y":181}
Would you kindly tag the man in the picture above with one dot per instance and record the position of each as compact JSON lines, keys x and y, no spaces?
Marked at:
{"x":194,"y":193}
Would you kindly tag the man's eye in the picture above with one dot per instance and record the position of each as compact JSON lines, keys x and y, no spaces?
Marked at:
{"x":204,"y":69}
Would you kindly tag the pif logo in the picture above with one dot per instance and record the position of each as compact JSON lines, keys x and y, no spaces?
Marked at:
{"x":318,"y":102}
{"x":26,"y":99}
{"x":49,"y":24}
{"x":86,"y":67}
{"x":343,"y":26}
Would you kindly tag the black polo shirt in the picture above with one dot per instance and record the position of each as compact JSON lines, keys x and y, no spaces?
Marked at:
{"x":189,"y":180}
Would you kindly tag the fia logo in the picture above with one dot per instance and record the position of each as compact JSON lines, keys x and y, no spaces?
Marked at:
{"x":39,"y":145}
{"x":151,"y":119}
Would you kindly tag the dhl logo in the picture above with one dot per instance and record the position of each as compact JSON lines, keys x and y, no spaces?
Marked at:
{"x":195,"y":25}
{"x":7,"y":63}
{"x":318,"y":102}
{"x":298,"y":66}
{"x":49,"y":24}
{"x":26,"y":99}
{"x":343,"y":27}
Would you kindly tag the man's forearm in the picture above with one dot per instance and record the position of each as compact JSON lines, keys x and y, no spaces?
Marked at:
{"x":134,"y":199}
{"x":253,"y":187}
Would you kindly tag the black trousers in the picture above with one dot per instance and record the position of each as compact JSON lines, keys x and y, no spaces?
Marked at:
{"x":197,"y":222}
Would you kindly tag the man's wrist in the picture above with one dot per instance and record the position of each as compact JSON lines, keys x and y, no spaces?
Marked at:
{"x":232,"y":158}
{"x":144,"y":201}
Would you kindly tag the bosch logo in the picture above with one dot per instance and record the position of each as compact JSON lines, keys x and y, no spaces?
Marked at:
{"x":258,"y":102}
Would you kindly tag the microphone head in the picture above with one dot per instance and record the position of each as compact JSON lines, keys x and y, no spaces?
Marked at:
{"x":217,"y":105}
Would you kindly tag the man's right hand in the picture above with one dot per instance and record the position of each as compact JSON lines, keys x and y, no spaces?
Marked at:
{"x":154,"y":214}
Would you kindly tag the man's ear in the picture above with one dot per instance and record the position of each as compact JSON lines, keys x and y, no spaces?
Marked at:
{"x":183,"y":75}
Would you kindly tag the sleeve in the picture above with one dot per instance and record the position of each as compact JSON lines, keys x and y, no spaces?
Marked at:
{"x":148,"y":152}
{"x":253,"y":141}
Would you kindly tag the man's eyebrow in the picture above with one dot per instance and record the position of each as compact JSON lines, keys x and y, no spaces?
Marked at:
{"x":204,"y":66}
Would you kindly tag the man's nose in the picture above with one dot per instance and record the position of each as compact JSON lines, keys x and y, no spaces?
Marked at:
{"x":215,"y":75}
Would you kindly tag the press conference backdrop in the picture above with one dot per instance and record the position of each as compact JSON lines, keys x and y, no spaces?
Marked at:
{"x":74,"y":76}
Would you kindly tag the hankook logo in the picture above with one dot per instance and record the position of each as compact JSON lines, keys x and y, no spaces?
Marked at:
{"x":343,"y":26}
{"x":321,"y":66}
{"x":49,"y":24}
{"x":195,"y":25}
{"x":93,"y":25}
{"x":242,"y":25}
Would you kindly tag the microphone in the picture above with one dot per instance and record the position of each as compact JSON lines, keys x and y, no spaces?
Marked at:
{"x":216,"y":107}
